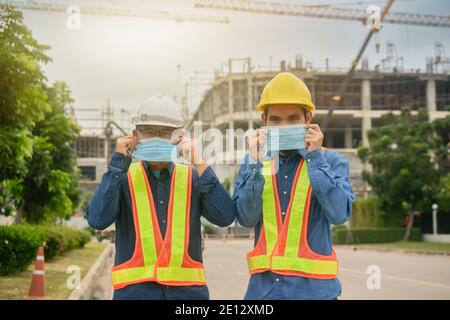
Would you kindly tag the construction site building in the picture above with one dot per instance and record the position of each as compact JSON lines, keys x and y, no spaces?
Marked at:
{"x":230,"y":103}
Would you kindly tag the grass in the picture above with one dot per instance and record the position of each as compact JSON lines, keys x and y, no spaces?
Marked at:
{"x":412,"y":245}
{"x":15,"y":287}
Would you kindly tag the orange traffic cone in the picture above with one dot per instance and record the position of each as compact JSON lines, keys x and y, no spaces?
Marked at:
{"x":37,"y":288}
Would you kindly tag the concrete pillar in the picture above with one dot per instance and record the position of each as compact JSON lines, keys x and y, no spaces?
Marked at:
{"x":431,"y":95}
{"x":250,"y":101}
{"x":230,"y":97}
{"x":366,"y":106}
{"x":348,"y":137}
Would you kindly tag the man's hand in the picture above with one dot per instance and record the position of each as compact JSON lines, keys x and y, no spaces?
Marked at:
{"x":313,"y":137}
{"x":126,"y":145}
{"x":256,"y":142}
{"x":187,"y":147}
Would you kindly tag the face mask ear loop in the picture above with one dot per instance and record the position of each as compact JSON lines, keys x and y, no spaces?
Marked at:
{"x":130,"y":155}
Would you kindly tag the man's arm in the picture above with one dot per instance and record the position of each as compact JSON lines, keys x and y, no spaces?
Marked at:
{"x":216,"y":204}
{"x":105,"y":204}
{"x":329,"y":177}
{"x":247,"y":196}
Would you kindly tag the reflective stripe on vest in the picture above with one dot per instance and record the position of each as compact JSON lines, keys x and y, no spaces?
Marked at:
{"x":154,"y":259}
{"x":283,"y":247}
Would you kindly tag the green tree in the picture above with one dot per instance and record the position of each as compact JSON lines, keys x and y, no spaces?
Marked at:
{"x":443,"y":197}
{"x":23,"y":99}
{"x":227,"y":184}
{"x":38,"y":172}
{"x":51,"y":185}
{"x":405,"y":155}
{"x":442,"y":128}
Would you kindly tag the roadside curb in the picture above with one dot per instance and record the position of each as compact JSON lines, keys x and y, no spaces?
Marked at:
{"x":404,"y":251}
{"x":90,"y":281}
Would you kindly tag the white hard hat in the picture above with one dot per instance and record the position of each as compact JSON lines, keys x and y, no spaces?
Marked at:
{"x":159,"y":110}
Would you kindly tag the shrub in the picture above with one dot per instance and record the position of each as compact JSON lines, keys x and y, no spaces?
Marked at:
{"x":18,"y":246}
{"x":373,"y":235}
{"x":19,"y":243}
{"x":367,"y":214}
{"x":62,"y":239}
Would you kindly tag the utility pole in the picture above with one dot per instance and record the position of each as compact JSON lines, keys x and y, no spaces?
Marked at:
{"x":108,"y":130}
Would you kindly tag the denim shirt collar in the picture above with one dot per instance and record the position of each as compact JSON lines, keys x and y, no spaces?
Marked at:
{"x":167,"y":170}
{"x":301,"y":152}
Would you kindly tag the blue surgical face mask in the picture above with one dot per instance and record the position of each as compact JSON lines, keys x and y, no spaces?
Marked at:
{"x":285,"y":138}
{"x":155,"y":150}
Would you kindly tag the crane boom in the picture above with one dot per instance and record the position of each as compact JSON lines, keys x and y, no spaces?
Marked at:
{"x":325,"y":12}
{"x":119,"y":12}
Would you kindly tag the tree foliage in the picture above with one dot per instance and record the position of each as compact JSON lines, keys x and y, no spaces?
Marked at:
{"x":22,"y":92}
{"x":407,"y":155}
{"x":38,"y":173}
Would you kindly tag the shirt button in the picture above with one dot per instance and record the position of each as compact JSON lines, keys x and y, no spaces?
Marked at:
{"x":285,"y":177}
{"x":309,"y":160}
{"x":285,"y":192}
{"x":277,"y":279}
{"x":161,"y":202}
{"x":283,"y":213}
{"x":164,"y":221}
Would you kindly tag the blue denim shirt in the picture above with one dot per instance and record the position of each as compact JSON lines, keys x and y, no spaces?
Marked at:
{"x":331,"y":203}
{"x":111,"y":203}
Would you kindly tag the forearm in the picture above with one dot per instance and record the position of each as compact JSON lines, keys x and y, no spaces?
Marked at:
{"x":105,"y":204}
{"x":248,"y":195}
{"x":217,"y":206}
{"x":331,"y":186}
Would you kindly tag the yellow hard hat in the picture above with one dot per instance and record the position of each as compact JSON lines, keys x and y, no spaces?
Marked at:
{"x":286,"y":88}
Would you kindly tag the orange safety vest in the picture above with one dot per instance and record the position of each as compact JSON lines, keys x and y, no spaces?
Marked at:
{"x":283,"y":247}
{"x":165,"y":261}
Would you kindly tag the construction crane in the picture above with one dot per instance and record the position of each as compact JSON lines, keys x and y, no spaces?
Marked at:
{"x":344,"y":84}
{"x":330,"y":12}
{"x":118,"y":11}
{"x":322,"y":11}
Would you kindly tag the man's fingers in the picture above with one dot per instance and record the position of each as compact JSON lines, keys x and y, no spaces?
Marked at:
{"x":312,"y":138}
{"x":312,"y":126}
{"x":253,"y":140}
{"x":183,"y":145}
{"x":185,"y":148}
{"x":133,"y":143}
{"x":128,"y":142}
{"x":261,"y":132}
{"x":256,"y":141}
{"x":176,"y":139}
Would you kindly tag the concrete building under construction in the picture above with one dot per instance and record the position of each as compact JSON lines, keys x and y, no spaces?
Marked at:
{"x":94,"y":146}
{"x":230,"y":102}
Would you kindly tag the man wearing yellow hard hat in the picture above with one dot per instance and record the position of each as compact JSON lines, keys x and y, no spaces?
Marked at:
{"x":291,"y":190}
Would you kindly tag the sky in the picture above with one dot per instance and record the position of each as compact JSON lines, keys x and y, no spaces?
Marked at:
{"x":130,"y":59}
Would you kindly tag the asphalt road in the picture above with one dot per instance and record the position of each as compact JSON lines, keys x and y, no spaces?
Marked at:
{"x":363,"y":274}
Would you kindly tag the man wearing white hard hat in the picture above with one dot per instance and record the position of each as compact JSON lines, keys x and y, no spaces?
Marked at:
{"x":156,"y":204}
